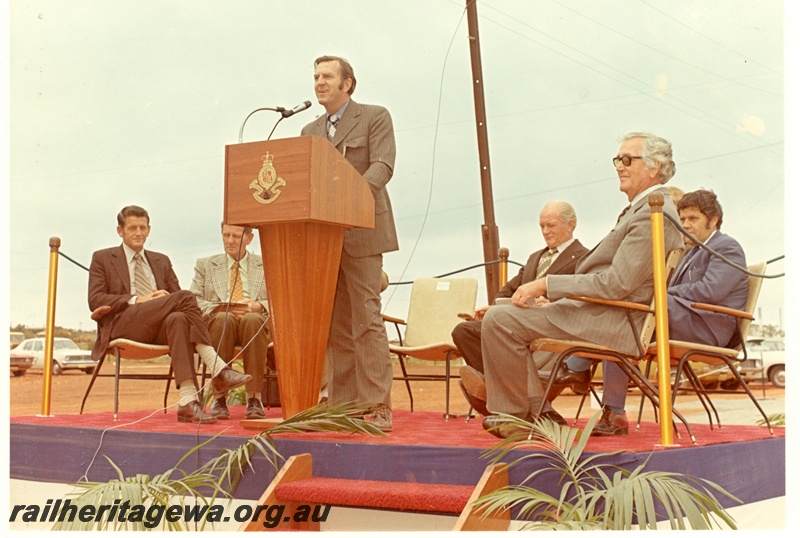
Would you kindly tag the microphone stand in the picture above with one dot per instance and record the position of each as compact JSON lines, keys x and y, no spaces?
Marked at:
{"x":276,"y":109}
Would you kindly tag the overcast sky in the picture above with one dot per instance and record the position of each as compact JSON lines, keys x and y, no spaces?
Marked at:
{"x":115,"y":103}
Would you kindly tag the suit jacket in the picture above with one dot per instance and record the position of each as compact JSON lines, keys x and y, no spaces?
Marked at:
{"x":620,"y":267}
{"x":110,"y":284}
{"x":704,"y":278}
{"x":365,"y":137}
{"x":565,"y":264}
{"x":212,"y":279}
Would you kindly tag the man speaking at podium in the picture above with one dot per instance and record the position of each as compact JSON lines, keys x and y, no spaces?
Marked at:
{"x":359,"y":368}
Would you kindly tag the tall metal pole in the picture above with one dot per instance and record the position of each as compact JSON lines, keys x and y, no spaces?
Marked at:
{"x":52,"y":280}
{"x":491,"y":241}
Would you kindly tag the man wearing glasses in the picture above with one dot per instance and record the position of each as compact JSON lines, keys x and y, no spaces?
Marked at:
{"x":620,"y":267}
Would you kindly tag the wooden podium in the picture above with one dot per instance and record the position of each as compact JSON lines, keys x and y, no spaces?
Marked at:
{"x":301,"y":194}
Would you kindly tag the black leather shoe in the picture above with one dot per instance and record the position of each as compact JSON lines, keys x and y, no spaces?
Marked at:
{"x":193,"y":412}
{"x":577,"y":381}
{"x":555,"y":416}
{"x":228,"y":379}
{"x":254,"y":409}
{"x":476,"y":403}
{"x":611,"y":423}
{"x":219,"y":409}
{"x":501,"y":427}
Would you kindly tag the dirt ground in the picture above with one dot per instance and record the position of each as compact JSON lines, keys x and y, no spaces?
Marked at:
{"x":68,"y":389}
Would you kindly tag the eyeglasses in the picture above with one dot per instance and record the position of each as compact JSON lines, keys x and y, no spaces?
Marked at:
{"x":626,"y":160}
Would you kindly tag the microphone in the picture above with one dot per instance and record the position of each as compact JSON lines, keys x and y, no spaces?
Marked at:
{"x":284,"y":114}
{"x":299,"y":108}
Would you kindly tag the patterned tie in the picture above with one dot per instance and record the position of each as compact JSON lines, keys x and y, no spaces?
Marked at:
{"x":141,"y":283}
{"x":334,"y":120}
{"x":544,"y":262}
{"x":235,"y":284}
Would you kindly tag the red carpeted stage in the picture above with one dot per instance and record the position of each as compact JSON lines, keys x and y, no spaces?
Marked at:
{"x":423,"y":448}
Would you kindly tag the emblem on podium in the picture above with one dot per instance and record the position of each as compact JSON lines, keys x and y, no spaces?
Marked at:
{"x":267,"y":187}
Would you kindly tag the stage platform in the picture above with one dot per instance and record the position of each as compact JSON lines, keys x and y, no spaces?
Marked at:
{"x":745,"y":460}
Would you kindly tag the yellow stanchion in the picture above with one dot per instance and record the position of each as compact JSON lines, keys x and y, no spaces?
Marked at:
{"x":656,"y":201}
{"x":503,"y":255}
{"x":52,"y":280}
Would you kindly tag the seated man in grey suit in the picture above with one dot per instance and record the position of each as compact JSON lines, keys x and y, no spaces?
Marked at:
{"x":231,"y":293}
{"x":620,"y":267}
{"x":699,"y":278}
{"x":557,"y":222}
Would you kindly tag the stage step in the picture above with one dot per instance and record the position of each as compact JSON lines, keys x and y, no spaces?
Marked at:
{"x":295,"y":485}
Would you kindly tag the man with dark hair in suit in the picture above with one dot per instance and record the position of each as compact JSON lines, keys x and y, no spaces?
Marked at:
{"x":620,"y":267}
{"x":557,"y":222}
{"x":699,"y":278}
{"x":135,"y":295}
{"x":360,"y":369}
{"x":231,"y":293}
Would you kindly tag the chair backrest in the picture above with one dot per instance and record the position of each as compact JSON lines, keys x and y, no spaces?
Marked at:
{"x":434,"y":308}
{"x":753,"y":289}
{"x":649,"y":326}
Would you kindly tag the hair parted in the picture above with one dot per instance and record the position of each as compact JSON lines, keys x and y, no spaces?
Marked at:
{"x":565,"y":210}
{"x":345,"y":69}
{"x":132,"y":211}
{"x":705,"y":201}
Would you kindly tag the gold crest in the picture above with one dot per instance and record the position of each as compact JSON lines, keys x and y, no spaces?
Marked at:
{"x":267,"y":186}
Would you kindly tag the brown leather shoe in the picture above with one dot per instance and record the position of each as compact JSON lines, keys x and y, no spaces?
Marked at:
{"x":611,"y":423}
{"x":503,"y":428}
{"x":476,"y":403}
{"x":254,"y":409}
{"x":474,"y":382}
{"x":228,"y":379}
{"x":219,"y":409}
{"x":193,"y":412}
{"x":380,"y":416}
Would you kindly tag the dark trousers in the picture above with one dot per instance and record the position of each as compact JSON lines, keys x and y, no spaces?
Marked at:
{"x":174,"y":320}
{"x":227,"y":332}
{"x":467,"y":338}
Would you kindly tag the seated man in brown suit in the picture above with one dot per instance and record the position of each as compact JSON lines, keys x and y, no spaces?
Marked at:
{"x":557,"y":221}
{"x":231,"y":293}
{"x":135,"y":295}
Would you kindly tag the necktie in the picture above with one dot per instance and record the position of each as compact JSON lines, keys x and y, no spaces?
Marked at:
{"x":623,"y":213}
{"x":141,"y":283}
{"x":544,"y":262}
{"x":237,"y":294}
{"x":333,"y":121}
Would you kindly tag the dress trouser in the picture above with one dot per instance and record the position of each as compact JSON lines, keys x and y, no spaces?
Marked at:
{"x":251,"y":333}
{"x":174,"y":320}
{"x":359,"y":367}
{"x":512,"y":378}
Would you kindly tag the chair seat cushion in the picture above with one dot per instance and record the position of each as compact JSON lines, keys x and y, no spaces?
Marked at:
{"x":678,"y":348}
{"x":594,"y":351}
{"x":431,"y":352}
{"x":130,"y":349}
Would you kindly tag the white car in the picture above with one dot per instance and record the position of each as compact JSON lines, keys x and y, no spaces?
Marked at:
{"x":766,"y":353}
{"x":66,"y":355}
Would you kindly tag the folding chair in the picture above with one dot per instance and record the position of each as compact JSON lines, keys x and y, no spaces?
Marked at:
{"x":432,"y":315}
{"x":682,"y":352}
{"x":629,"y":363}
{"x":123,"y":348}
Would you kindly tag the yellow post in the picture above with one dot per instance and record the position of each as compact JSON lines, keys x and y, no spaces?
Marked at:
{"x":503,"y":255}
{"x":656,"y":201}
{"x":52,"y":280}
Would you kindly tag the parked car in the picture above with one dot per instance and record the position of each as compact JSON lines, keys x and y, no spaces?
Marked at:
{"x":766,"y":359}
{"x":66,"y":355}
{"x":15,"y":338}
{"x":20,"y":362}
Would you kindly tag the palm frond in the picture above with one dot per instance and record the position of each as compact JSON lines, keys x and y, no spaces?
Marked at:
{"x":590,"y":497}
{"x":220,"y":476}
